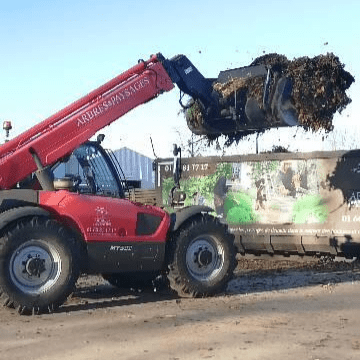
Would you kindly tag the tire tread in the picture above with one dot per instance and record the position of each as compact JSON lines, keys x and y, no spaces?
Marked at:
{"x":21,"y":303}
{"x":181,"y":283}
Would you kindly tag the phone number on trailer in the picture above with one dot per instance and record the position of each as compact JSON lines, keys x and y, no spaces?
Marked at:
{"x":189,"y":167}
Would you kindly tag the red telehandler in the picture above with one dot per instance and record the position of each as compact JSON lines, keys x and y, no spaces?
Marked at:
{"x":53,"y":229}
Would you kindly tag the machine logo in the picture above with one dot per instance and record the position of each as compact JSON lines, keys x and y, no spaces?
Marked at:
{"x":112,"y":101}
{"x":121,"y":248}
{"x":102,"y":224}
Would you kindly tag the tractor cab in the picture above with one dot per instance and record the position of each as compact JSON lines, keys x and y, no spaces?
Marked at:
{"x":91,"y":170}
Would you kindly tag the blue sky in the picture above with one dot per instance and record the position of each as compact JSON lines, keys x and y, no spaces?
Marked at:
{"x":54,"y":52}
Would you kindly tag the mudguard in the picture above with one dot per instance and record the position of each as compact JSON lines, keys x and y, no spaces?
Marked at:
{"x":180,"y":216}
{"x":17,"y":213}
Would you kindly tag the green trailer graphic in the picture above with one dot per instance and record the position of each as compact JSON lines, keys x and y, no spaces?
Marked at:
{"x":267,"y":192}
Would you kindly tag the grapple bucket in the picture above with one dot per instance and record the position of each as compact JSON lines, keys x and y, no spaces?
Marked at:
{"x":244,"y":99}
{"x":272,"y":92}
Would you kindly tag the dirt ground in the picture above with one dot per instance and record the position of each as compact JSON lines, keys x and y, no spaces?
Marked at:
{"x":271,"y":310}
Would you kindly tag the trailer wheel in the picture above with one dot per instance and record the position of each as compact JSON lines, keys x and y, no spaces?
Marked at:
{"x":38,"y":265}
{"x":202,"y":258}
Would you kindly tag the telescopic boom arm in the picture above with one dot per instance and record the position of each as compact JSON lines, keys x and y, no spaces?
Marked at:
{"x":60,"y":134}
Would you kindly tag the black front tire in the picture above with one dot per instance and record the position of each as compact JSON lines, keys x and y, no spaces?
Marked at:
{"x":39,"y":265}
{"x":201,"y":258}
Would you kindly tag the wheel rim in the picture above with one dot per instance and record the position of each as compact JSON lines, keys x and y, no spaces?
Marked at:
{"x":35,"y":267}
{"x":204,"y":258}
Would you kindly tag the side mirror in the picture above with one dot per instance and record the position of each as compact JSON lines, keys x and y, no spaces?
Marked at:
{"x":177,"y":165}
{"x":176,"y":197}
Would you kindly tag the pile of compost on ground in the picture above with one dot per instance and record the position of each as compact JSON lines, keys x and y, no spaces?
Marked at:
{"x":319,"y":87}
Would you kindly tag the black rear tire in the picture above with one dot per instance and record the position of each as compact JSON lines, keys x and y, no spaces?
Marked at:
{"x":39,"y":265}
{"x":202,"y":258}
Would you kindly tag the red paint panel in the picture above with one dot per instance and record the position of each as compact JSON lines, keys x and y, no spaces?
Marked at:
{"x":103,"y":219}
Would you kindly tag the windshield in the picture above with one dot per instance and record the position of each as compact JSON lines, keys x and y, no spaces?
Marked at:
{"x":93,"y":170}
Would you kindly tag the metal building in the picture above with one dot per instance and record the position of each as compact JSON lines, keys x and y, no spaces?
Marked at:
{"x":136,"y":167}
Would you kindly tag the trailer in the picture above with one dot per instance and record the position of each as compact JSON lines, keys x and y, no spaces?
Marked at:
{"x":305,"y":204}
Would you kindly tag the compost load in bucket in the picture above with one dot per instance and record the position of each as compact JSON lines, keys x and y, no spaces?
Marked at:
{"x":311,"y":90}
